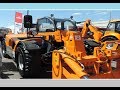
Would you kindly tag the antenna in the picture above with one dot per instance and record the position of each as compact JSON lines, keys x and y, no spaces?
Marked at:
{"x":110,"y":17}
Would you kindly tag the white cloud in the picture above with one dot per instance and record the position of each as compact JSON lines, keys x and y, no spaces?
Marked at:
{"x":11,"y":27}
{"x":101,"y":12}
{"x":76,"y":14}
{"x":101,"y":19}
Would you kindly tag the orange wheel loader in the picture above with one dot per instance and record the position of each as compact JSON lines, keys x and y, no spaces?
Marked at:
{"x":97,"y":36}
{"x":112,"y":32}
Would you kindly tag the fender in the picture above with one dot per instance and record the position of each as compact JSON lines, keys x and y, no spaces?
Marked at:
{"x":111,"y":34}
{"x":28,"y":45}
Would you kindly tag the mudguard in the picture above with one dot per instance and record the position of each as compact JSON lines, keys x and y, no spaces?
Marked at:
{"x":111,"y":34}
{"x":30,"y":45}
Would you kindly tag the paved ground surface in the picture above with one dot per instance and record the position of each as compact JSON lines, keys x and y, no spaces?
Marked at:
{"x":9,"y":70}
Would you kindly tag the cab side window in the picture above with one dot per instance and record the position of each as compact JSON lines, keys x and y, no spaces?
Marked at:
{"x":118,"y":26}
{"x":111,"y":26}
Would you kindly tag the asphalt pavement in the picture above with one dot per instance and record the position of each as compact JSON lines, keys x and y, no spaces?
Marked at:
{"x":8,"y":69}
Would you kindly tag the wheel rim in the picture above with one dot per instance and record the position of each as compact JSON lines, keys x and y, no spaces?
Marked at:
{"x":3,"y":51}
{"x":20,"y":62}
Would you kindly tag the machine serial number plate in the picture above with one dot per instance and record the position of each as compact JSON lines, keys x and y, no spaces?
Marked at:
{"x":114,"y":64}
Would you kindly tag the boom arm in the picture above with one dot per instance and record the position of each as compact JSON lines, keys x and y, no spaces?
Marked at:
{"x":96,"y":33}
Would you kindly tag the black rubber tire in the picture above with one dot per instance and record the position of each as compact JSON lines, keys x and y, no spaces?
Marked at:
{"x":3,"y":49}
{"x":31,"y":62}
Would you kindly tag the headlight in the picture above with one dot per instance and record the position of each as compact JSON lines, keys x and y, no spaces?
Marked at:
{"x":109,"y":46}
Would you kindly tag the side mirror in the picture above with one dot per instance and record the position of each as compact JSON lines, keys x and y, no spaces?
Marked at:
{"x":28,"y":21}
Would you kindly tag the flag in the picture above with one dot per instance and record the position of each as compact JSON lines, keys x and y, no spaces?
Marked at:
{"x":18,"y":22}
{"x":18,"y":17}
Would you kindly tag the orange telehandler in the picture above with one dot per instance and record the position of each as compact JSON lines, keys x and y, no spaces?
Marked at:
{"x":32,"y":50}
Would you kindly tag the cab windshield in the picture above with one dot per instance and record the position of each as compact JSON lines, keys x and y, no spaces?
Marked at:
{"x":48,"y":24}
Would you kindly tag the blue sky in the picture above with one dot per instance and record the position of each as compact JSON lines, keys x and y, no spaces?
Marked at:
{"x":80,"y":11}
{"x":7,"y":17}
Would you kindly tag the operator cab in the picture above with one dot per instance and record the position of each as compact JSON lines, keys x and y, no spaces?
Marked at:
{"x":50,"y":24}
{"x":114,"y":26}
